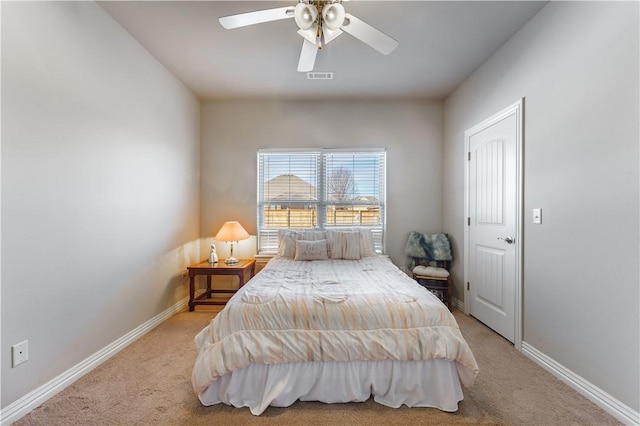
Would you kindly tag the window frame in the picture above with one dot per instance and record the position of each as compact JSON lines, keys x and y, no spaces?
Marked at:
{"x":267,"y":237}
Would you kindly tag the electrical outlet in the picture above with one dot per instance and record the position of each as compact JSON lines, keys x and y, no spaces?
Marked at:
{"x":19,"y":353}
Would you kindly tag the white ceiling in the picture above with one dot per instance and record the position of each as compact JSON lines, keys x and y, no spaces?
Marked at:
{"x":441,"y":44}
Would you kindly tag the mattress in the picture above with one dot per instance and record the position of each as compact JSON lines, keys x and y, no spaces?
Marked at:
{"x":332,"y":331}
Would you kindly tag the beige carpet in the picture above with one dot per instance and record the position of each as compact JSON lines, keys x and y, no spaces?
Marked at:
{"x":149,"y":383}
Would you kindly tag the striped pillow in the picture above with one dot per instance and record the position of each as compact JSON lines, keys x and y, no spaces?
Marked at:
{"x":351,"y":245}
{"x":367,"y":245}
{"x":344,"y":244}
{"x":287,"y":247}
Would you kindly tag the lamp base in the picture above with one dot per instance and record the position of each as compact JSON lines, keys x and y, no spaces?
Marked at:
{"x":231,"y":261}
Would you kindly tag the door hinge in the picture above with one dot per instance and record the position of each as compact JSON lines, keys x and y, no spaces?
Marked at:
{"x":468,"y":221}
{"x":469,"y":156}
{"x":467,"y":285}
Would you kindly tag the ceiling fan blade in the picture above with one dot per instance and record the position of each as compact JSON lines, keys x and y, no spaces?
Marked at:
{"x":307,"y":56}
{"x":369,"y":35}
{"x":257,"y":17}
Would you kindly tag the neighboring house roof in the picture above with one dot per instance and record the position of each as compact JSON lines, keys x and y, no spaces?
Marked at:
{"x":293,"y":188}
{"x":366,"y":198}
{"x":289,"y":187}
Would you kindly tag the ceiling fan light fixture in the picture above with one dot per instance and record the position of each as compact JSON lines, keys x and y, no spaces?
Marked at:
{"x":310,"y":34}
{"x":333,"y":16}
{"x":305,"y":15}
{"x":329,"y":35}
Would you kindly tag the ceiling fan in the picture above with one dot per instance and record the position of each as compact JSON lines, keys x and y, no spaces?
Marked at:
{"x":319,"y":22}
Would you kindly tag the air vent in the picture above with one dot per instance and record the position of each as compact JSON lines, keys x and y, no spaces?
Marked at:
{"x":319,"y":76}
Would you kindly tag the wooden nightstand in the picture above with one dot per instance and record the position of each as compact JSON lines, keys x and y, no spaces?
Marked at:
{"x":244,"y":270}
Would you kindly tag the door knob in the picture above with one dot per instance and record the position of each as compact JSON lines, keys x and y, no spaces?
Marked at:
{"x":508,"y":240}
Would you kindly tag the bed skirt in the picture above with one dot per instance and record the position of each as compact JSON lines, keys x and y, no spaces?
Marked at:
{"x":432,"y":383}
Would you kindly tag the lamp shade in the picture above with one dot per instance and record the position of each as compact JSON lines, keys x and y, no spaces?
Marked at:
{"x":231,"y":231}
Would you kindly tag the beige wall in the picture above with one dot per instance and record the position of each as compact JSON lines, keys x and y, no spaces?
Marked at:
{"x":102,"y":201}
{"x":576,"y":64}
{"x":100,"y":187}
{"x":411,"y":131}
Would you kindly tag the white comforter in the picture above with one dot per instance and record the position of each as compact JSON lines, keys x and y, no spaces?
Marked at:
{"x":330,"y":310}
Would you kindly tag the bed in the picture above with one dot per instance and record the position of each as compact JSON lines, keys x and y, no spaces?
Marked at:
{"x":332,"y":330}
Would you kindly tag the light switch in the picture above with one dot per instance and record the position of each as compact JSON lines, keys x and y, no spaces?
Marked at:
{"x":537,"y":216}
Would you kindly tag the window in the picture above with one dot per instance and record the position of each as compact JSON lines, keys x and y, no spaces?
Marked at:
{"x":320,"y":189}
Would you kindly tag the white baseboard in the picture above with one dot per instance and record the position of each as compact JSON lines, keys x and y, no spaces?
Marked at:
{"x":458,"y":304}
{"x":617,"y":409}
{"x":33,"y":399}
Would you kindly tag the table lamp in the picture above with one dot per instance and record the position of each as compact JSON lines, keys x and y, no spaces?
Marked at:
{"x":231,"y":233}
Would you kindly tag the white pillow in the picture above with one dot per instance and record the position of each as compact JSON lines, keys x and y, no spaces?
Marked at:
{"x":430,"y":271}
{"x":313,"y":235}
{"x":286,"y":242}
{"x":367,"y":246}
{"x":288,"y":237}
{"x":344,"y":244}
{"x":311,"y":250}
{"x":351,"y":245}
{"x":334,"y":244}
{"x":287,"y":247}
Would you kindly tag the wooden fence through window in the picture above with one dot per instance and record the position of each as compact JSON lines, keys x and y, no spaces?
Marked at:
{"x":308,"y":218}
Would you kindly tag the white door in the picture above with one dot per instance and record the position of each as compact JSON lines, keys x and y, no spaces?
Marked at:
{"x":493,"y":222}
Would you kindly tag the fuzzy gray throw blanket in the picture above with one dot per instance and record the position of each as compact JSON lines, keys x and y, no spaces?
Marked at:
{"x":428,"y":247}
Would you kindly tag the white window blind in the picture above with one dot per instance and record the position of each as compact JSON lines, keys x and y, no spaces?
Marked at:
{"x":320,"y":189}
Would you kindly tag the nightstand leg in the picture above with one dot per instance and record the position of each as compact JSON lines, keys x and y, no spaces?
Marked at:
{"x":192,"y":292}
{"x":208,"y":286}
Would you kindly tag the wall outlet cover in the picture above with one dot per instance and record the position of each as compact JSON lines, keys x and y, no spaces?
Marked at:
{"x":19,"y":353}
